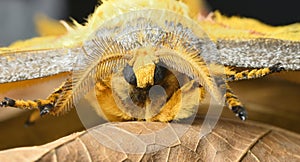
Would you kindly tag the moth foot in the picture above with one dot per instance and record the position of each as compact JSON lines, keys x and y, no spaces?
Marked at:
{"x":7,"y":102}
{"x":240,"y":112}
{"x":277,"y":68}
{"x":45,"y":109}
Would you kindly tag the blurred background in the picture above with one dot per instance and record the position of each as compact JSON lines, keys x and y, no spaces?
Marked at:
{"x":273,"y":100}
{"x":272,"y":12}
{"x":17,"y":16}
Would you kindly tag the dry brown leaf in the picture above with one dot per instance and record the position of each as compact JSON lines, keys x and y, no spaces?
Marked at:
{"x":230,"y":140}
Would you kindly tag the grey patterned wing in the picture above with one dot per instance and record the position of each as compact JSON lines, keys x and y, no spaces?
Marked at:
{"x":257,"y":53}
{"x":30,"y":64}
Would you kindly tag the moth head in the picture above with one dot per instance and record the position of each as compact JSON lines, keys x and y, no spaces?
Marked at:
{"x":142,"y":70}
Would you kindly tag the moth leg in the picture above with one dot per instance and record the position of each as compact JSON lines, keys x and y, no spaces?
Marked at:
{"x":252,"y":74}
{"x":33,"y":117}
{"x":44,"y":106}
{"x":182,"y":104}
{"x":234,"y":104}
{"x":231,"y":100}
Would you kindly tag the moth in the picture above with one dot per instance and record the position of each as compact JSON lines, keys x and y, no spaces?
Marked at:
{"x":150,"y":64}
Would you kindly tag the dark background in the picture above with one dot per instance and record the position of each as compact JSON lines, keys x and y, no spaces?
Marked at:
{"x":273,"y":12}
{"x":80,"y":9}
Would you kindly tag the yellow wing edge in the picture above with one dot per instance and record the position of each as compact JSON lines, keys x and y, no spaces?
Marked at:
{"x":216,"y":25}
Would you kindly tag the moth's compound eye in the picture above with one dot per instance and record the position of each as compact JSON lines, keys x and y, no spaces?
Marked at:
{"x":129,"y":75}
{"x":159,"y":73}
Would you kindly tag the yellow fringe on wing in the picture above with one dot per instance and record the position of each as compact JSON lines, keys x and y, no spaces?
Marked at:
{"x":215,"y":25}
